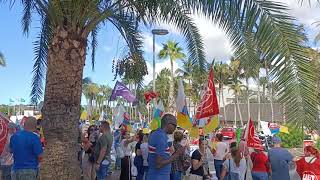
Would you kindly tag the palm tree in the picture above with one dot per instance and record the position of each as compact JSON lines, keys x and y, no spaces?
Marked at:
{"x":63,"y":40}
{"x":237,"y":89}
{"x":172,"y":50}
{"x":263,"y":82}
{"x":222,"y":77}
{"x":162,"y":85}
{"x":90,"y":91}
{"x":2,"y":60}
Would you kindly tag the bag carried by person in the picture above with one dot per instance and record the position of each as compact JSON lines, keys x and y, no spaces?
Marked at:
{"x":231,"y":175}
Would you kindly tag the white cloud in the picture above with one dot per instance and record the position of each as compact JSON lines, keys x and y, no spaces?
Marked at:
{"x":306,"y":13}
{"x":159,"y":67}
{"x":148,"y":44}
{"x":215,"y":41}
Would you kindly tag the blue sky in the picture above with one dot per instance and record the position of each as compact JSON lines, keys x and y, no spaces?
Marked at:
{"x":16,"y":77}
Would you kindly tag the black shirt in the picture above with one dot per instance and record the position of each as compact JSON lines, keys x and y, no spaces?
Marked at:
{"x":197,"y":156}
{"x":137,"y":146}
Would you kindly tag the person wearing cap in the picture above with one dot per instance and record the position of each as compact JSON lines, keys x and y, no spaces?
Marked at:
{"x":26,"y":148}
{"x":279,"y":159}
{"x":6,"y":158}
{"x":261,"y":165}
{"x":160,"y":159}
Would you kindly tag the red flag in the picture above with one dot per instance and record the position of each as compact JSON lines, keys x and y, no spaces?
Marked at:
{"x":252,"y":139}
{"x":3,"y":131}
{"x":209,"y":104}
{"x":150,"y":95}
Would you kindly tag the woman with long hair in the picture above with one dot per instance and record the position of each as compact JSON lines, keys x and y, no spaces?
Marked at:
{"x":234,"y":168}
{"x":308,"y":167}
{"x":126,"y":159}
{"x":88,"y":161}
{"x":221,"y":151}
{"x":199,"y":164}
{"x":178,"y":165}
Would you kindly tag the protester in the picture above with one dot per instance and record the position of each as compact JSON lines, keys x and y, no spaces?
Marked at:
{"x":102,"y":151}
{"x":159,"y":159}
{"x":6,"y":158}
{"x":199,"y":163}
{"x":177,"y":166}
{"x":88,"y":161}
{"x":261,"y":166}
{"x":234,"y":168}
{"x":220,"y":153}
{"x":126,"y":159}
{"x":144,"y":152}
{"x":138,"y":159}
{"x":308,"y":167}
{"x":27,"y":149}
{"x":117,"y":140}
{"x":279,"y":160}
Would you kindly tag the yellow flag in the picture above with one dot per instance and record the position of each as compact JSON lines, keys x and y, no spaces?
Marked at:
{"x":183,"y":121}
{"x":194,"y":132}
{"x":212,"y":125}
{"x":284,"y":129}
{"x":154,"y":124}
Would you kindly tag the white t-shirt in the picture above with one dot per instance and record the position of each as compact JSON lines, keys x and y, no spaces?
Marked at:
{"x":241,"y":170}
{"x":144,"y":151}
{"x":126,"y":149}
{"x":221,"y":150}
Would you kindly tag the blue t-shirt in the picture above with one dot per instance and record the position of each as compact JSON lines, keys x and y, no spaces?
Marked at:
{"x":279,"y":159}
{"x":26,"y":147}
{"x":158,"y":145}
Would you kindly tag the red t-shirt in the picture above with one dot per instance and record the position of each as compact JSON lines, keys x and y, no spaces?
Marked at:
{"x":308,"y":170}
{"x":260,"y":162}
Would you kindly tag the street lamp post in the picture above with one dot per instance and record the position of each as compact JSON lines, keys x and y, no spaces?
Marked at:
{"x":160,"y":32}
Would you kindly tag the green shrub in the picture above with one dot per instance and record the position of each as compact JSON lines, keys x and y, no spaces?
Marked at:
{"x":292,"y":140}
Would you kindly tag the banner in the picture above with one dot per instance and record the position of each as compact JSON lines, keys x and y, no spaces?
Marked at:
{"x":183,"y":118}
{"x":158,"y":112}
{"x":121,"y":90}
{"x":208,"y":105}
{"x":212,"y":124}
{"x":265,"y":128}
{"x":252,"y":139}
{"x":3,"y":131}
{"x":150,"y":95}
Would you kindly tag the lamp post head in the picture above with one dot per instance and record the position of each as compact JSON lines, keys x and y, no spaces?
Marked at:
{"x":160,"y":31}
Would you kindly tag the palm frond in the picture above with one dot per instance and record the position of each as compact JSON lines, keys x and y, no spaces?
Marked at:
{"x":26,"y":18}
{"x":2,"y":60}
{"x":94,"y":44}
{"x":123,"y":22}
{"x":40,"y":64}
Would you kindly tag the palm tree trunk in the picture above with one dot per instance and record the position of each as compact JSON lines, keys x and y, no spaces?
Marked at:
{"x":259,"y":102}
{"x":238,"y":106}
{"x":61,"y":109}
{"x":248,"y":100}
{"x":171,"y":90}
{"x":235,"y":114}
{"x":271,"y":104}
{"x":224,"y":106}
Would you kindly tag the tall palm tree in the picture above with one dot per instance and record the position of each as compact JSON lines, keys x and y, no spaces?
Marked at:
{"x":2,"y":60}
{"x":90,"y":91}
{"x":237,"y":89}
{"x":63,"y":40}
{"x":222,"y":77}
{"x":172,"y":51}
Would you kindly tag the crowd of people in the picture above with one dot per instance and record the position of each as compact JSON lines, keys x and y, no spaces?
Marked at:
{"x":163,"y":154}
